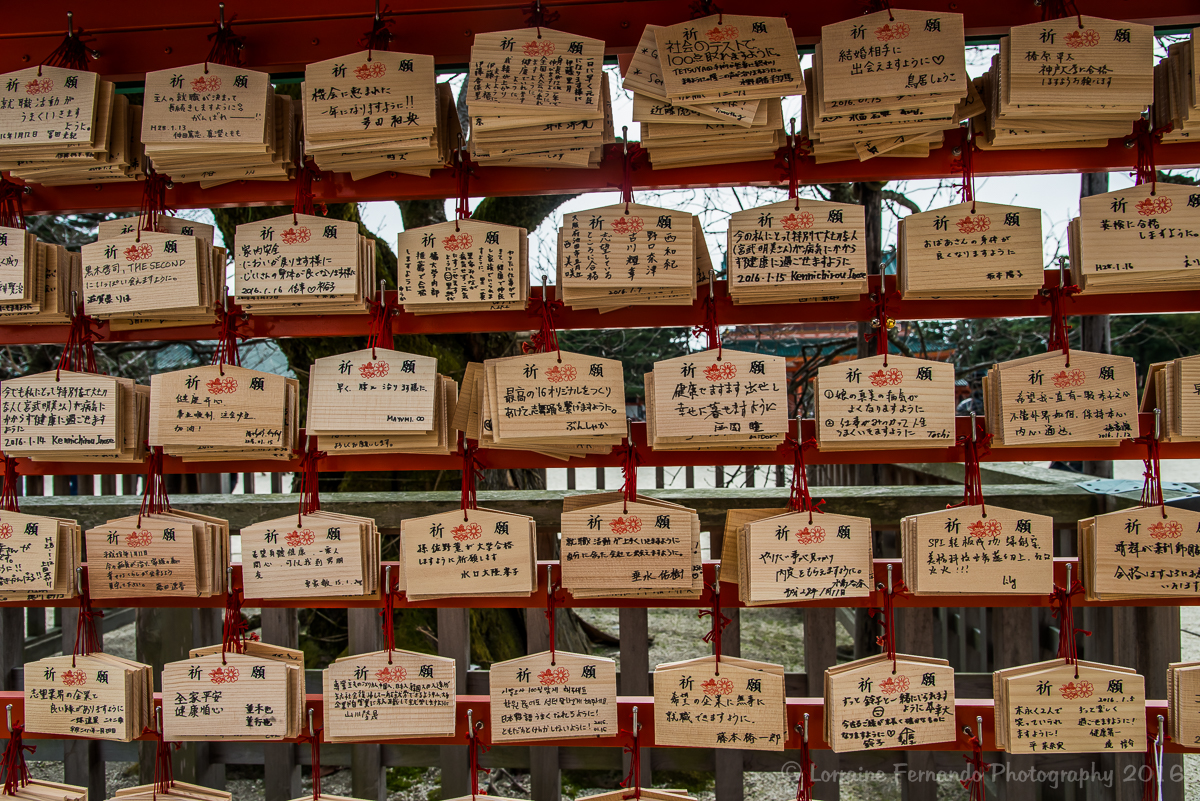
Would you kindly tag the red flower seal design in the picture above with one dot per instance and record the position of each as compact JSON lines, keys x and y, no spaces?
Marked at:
{"x":74,"y":677}
{"x":471,"y":531}
{"x":975,"y":224}
{"x":810,"y":535}
{"x":796,"y":221}
{"x":1085,"y":38}
{"x":1066,"y":379}
{"x":39,"y":86}
{"x":295,"y":236}
{"x":226,"y":674}
{"x":626,"y":525}
{"x":722,"y":371}
{"x":717,"y":687}
{"x":722,"y":33}
{"x":1166,"y":530}
{"x":985,"y":528}
{"x":372,"y":69}
{"x":886,"y":378}
{"x":210,"y":83}
{"x":138,"y":252}
{"x":5,"y":531}
{"x":555,"y":675}
{"x":300,"y":537}
{"x":627,"y":225}
{"x":1154,"y":205}
{"x":561,"y":372}
{"x":888,"y":33}
{"x":138,"y":539}
{"x":391,"y":675}
{"x":539,"y":47}
{"x":1076,"y":689}
{"x":374,"y":369}
{"x":893,"y":684}
{"x":222,"y":386}
{"x":457,"y":242}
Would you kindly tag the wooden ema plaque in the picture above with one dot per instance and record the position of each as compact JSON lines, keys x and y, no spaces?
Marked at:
{"x":100,"y":697}
{"x":48,"y":106}
{"x":885,"y":402}
{"x":797,"y":250}
{"x":572,"y":696}
{"x":468,"y":552}
{"x":466,"y":265}
{"x":213,"y":405}
{"x":738,"y":704}
{"x":545,"y":72}
{"x":869,"y":706}
{"x":556,"y":396}
{"x":992,"y":250}
{"x":1083,"y":399}
{"x":735,"y":521}
{"x":369,"y":96}
{"x":1086,"y":708}
{"x":61,"y":411}
{"x":209,"y":105}
{"x":804,"y":556}
{"x":1173,"y":388}
{"x":181,"y":226}
{"x":387,"y":695}
{"x":231,"y":697}
{"x":442,"y":439}
{"x":1132,"y":240}
{"x":297,"y":256}
{"x":634,"y":246}
{"x":179,"y":791}
{"x":158,"y":557}
{"x":987,"y":550}
{"x":371,"y":390}
{"x":627,"y":546}
{"x":1143,"y":552}
{"x":18,"y":266}
{"x":42,"y":790}
{"x":142,"y":272}
{"x":1183,"y":703}
{"x":709,"y":57}
{"x":718,"y":394}
{"x":38,"y":557}
{"x":318,"y":555}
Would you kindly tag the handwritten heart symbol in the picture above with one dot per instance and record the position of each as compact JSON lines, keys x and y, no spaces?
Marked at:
{"x":938,"y":60}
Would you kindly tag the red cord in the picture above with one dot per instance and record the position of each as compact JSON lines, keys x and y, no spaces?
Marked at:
{"x":8,"y":495}
{"x":1146,"y":137}
{"x":79,"y":354}
{"x":226,"y":46}
{"x":552,"y":589}
{"x":1152,"y":471}
{"x":630,"y":459}
{"x":546,"y":338}
{"x":888,"y":613}
{"x":1061,"y":608}
{"x":709,"y":328}
{"x":235,"y":628}
{"x":471,"y":473}
{"x":310,"y":496}
{"x":87,"y":641}
{"x":380,"y":332}
{"x":719,"y":622}
{"x":154,"y":497}
{"x":12,"y":764}
{"x":973,"y":445}
{"x":229,"y":322}
{"x":634,"y":777}
{"x":474,"y":750}
{"x":804,"y":784}
{"x":314,"y":742}
{"x":800,"y":500}
{"x":463,"y":166}
{"x":974,"y":784}
{"x":881,"y":320}
{"x":12,"y":208}
{"x":154,"y":201}
{"x":964,"y":163}
{"x":1058,"y":320}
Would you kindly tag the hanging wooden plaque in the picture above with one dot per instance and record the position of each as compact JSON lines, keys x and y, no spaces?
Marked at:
{"x":805,"y":556}
{"x":716,"y":393}
{"x":1183,"y":702}
{"x":1081,"y":61}
{"x":374,"y":390}
{"x":737,"y":703}
{"x":100,"y":697}
{"x":216,"y":405}
{"x":297,"y":256}
{"x":468,"y":552}
{"x":231,"y":696}
{"x":543,"y":70}
{"x":627,"y":246}
{"x":142,"y":272}
{"x":1143,"y":552}
{"x":988,"y":550}
{"x":881,"y":402}
{"x":627,"y":546}
{"x":207,"y":104}
{"x":463,"y":262}
{"x":385,"y":695}
{"x":369,"y":94}
{"x":62,"y":411}
{"x":28,"y":552}
{"x":318,"y":555}
{"x":556,"y":395}
{"x":111,"y":229}
{"x":571,"y":696}
{"x":159,"y":557}
{"x":45,"y":105}
{"x":869,"y":704}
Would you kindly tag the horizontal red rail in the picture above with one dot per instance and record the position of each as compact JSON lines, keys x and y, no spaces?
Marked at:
{"x":728,"y":313}
{"x":966,"y":710}
{"x":512,"y":460}
{"x":729,"y":596}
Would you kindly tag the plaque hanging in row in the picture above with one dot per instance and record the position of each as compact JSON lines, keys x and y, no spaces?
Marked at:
{"x":463,"y":266}
{"x":1170,"y":393}
{"x":1176,"y":101}
{"x":39,"y":282}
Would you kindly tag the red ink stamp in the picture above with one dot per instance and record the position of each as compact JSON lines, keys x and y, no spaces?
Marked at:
{"x":295,"y":236}
{"x":391,"y":675}
{"x":299,"y":537}
{"x":1166,"y":530}
{"x":886,"y":378}
{"x":722,"y":371}
{"x":975,"y":224}
{"x":722,"y":33}
{"x":471,"y":531}
{"x":888,"y":33}
{"x":717,"y":687}
{"x":1086,"y":38}
{"x":893,"y":684}
{"x":626,"y":525}
{"x":226,"y":674}
{"x":457,"y":242}
{"x":1066,"y":379}
{"x":810,"y":535}
{"x":1076,"y":689}
{"x":222,"y":386}
{"x":796,"y":221}
{"x":74,"y":677}
{"x":138,"y":539}
{"x":138,"y":252}
{"x":374,"y":369}
{"x":557,"y":675}
{"x":627,"y":225}
{"x":561,"y":372}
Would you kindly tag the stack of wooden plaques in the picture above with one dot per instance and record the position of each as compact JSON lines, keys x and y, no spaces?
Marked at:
{"x":388,"y":695}
{"x":1165,"y":391}
{"x":78,"y":417}
{"x":1067,"y":708}
{"x":222,"y":412}
{"x":708,"y":91}
{"x":614,"y":548}
{"x":802,"y":556}
{"x":463,"y":266}
{"x":303,"y":264}
{"x":869,"y":703}
{"x":173,"y":553}
{"x":1085,"y":399}
{"x":380,"y":401}
{"x":1070,"y":82}
{"x":375,"y":111}
{"x":987,"y":550}
{"x":67,"y":126}
{"x":36,"y":279}
{"x":468,"y":552}
{"x":694,"y":699}
{"x":257,"y":695}
{"x":522,"y":83}
{"x":319,"y":555}
{"x":178,"y":791}
{"x":630,"y":254}
{"x":64,"y":693}
{"x":992,"y":250}
{"x":735,"y":521}
{"x":169,"y":278}
{"x":1133,"y":240}
{"x":1183,"y":695}
{"x":42,"y":790}
{"x":885,"y":84}
{"x":797,"y":250}
{"x":557,"y":695}
{"x":884,"y":402}
{"x":559,"y":403}
{"x":191,"y":132}
{"x":39,"y":557}
{"x":717,"y":399}
{"x":1143,"y":552}
{"x":624,"y":794}
{"x":1176,"y":99}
